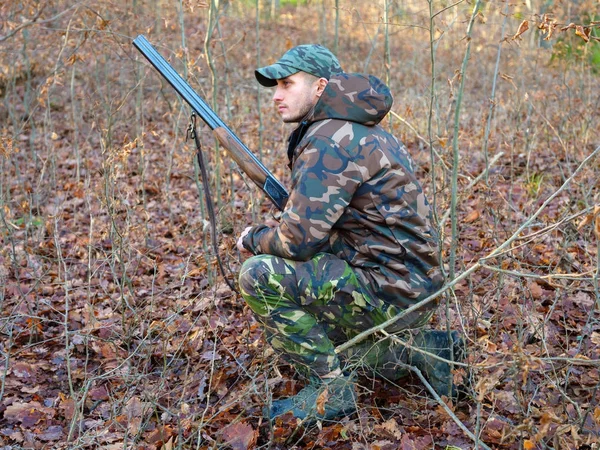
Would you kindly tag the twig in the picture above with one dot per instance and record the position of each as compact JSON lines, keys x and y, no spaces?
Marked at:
{"x":574,"y":361}
{"x":488,"y":124}
{"x":557,"y":224}
{"x":542,"y":207}
{"x":420,"y":350}
{"x":514,"y":273}
{"x":446,"y":408}
{"x":432,"y":90}
{"x":421,"y":138}
{"x":27,"y":24}
{"x":556,"y":133}
{"x":455,"y":153}
{"x":360,"y":337}
{"x":447,"y":8}
{"x":6,"y":353}
{"x":473,"y":183}
{"x":34,"y":21}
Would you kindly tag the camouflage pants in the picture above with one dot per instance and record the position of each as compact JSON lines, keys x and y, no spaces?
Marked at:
{"x":307,"y":308}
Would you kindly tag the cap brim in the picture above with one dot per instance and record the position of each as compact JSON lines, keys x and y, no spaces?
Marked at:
{"x":268,"y":76}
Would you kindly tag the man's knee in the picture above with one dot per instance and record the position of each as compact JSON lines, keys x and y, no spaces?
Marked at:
{"x":266,"y":283}
{"x":255,"y":269}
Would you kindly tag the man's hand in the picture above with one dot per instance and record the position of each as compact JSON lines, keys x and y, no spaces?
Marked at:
{"x":240,"y":241}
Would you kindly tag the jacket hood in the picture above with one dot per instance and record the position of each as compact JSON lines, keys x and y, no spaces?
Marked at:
{"x":364,"y":99}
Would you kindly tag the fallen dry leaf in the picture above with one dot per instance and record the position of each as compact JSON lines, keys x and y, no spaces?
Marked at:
{"x":239,"y":436}
{"x":161,"y":435}
{"x":52,"y":433}
{"x":322,"y":401}
{"x":472,"y":216}
{"x":536,"y":290}
{"x":390,"y":426}
{"x":28,"y":414}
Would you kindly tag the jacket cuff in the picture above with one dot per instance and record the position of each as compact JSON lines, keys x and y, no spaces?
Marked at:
{"x":251,"y":241}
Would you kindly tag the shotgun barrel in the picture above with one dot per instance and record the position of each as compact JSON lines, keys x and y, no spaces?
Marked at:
{"x":247,"y":161}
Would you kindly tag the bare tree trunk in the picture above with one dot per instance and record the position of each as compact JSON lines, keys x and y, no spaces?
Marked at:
{"x":336,"y":40}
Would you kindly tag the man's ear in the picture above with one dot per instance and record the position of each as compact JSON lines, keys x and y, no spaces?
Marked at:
{"x":321,"y":85}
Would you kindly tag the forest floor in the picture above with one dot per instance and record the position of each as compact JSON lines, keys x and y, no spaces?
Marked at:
{"x":117,"y":330}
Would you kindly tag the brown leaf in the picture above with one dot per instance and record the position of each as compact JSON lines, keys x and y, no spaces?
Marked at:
{"x":102,"y":23}
{"x":29,"y":414}
{"x":321,"y":401}
{"x":472,"y":216}
{"x":551,"y":30}
{"x":52,"y":433}
{"x":391,"y":427}
{"x":239,"y":436}
{"x":23,"y":370}
{"x":522,"y":29}
{"x":107,"y":351}
{"x":383,"y":445}
{"x":586,"y":220}
{"x":161,"y":435}
{"x":135,"y":407}
{"x":15,"y":435}
{"x":589,"y":218}
{"x":99,"y":393}
{"x":67,"y":405}
{"x":536,"y":290}
{"x":169,"y":444}
{"x":583,"y":33}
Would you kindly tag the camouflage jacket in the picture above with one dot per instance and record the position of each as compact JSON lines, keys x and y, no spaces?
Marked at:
{"x":354,"y":194}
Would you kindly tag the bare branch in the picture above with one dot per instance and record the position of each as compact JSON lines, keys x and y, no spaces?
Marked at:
{"x":360,"y":337}
{"x":34,"y":21}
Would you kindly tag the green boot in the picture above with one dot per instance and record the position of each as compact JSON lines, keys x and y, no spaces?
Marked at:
{"x":438,"y":373}
{"x":339,"y":401}
{"x":383,"y":358}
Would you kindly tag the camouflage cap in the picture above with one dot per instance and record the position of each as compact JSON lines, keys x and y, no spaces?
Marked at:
{"x":310,"y":58}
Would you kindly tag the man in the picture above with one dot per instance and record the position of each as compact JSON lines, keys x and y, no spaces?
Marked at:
{"x":355,"y":244}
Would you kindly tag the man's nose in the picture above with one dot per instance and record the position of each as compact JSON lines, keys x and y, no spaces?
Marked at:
{"x":277,"y":96}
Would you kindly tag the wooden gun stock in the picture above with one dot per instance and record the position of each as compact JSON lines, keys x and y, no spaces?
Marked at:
{"x":239,"y":155}
{"x":247,"y":161}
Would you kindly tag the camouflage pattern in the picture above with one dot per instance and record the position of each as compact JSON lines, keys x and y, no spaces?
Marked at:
{"x":307,"y":308}
{"x":355,"y":245}
{"x":310,"y":58}
{"x":354,"y":194}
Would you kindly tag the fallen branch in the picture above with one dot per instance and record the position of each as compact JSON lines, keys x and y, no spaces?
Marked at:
{"x":360,"y":337}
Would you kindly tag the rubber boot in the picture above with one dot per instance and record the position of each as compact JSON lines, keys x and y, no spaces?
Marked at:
{"x":313,"y":403}
{"x":438,"y":373}
{"x":384,"y":358}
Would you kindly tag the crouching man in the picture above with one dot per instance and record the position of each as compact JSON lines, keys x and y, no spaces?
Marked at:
{"x":355,"y":245}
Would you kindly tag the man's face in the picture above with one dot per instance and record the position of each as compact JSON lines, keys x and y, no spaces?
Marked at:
{"x":296,"y":95}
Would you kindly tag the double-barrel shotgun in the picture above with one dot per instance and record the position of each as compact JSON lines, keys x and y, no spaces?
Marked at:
{"x":247,"y":161}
